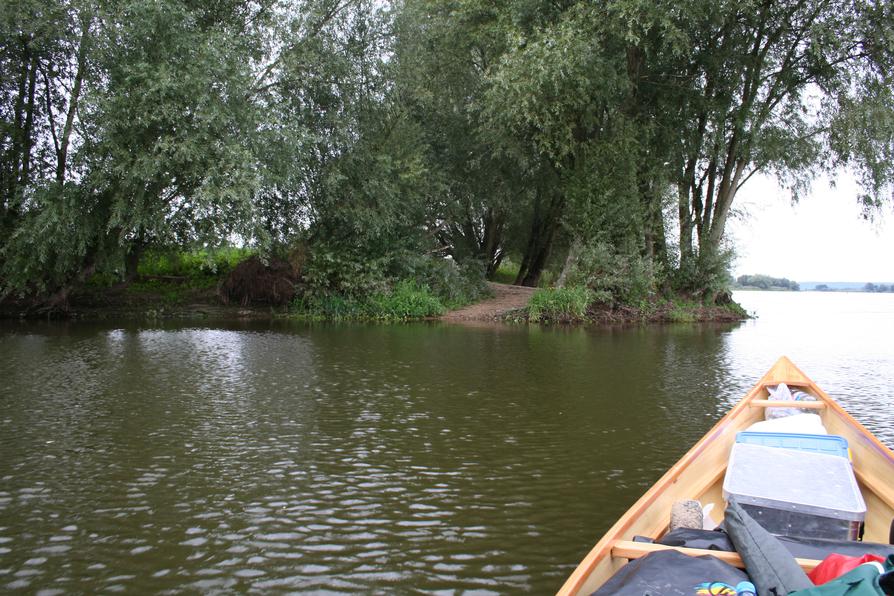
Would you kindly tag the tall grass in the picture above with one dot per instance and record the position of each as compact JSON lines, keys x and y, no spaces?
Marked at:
{"x":406,"y":300}
{"x":560,"y":304}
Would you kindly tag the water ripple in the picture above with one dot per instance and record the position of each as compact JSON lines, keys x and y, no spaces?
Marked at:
{"x":357,"y":458}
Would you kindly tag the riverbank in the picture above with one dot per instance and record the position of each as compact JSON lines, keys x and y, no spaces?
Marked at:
{"x":150,"y":299}
{"x":506,"y":299}
{"x":153,"y":299}
{"x":654,"y":311}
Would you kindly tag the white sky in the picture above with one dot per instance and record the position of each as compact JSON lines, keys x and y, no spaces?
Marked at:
{"x":822,"y":238}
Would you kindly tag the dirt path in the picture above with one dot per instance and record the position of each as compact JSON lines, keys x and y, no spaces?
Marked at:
{"x":505,"y":298}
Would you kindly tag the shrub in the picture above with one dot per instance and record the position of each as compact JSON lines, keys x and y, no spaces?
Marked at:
{"x":194,"y":263}
{"x":625,"y":276}
{"x":406,"y":300}
{"x":560,"y":304}
{"x":506,"y":272}
{"x":706,"y":277}
{"x":455,"y":285}
{"x":330,"y":308}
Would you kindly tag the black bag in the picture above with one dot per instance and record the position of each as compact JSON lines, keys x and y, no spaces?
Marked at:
{"x":669,"y":573}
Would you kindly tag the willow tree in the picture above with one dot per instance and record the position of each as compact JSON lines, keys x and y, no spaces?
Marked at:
{"x":700,"y":98}
{"x":42,"y":67}
{"x":786,"y":88}
{"x":443,"y":54}
{"x":159,"y":123}
{"x":51,"y":48}
{"x":144,"y":120}
{"x":568,"y":86}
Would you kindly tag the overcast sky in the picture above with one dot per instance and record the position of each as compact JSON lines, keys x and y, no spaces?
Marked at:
{"x":822,"y":238}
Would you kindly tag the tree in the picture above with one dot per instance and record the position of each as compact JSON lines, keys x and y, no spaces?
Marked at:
{"x":561,"y":88}
{"x":167,"y":124}
{"x":154,"y":152}
{"x":443,"y":54}
{"x":748,"y":90}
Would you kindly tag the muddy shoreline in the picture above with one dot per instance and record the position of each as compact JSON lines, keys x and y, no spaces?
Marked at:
{"x":506,"y":305}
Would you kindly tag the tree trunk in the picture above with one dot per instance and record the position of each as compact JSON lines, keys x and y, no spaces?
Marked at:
{"x":685,"y":216}
{"x":132,"y":262}
{"x":14,"y":159}
{"x":27,"y":136}
{"x":544,"y":225}
{"x":58,"y":301}
{"x":62,"y":152}
{"x":492,"y":241}
{"x":570,"y":261}
{"x":654,"y":239}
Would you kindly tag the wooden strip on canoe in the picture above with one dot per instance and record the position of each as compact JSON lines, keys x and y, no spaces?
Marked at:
{"x":801,"y":405}
{"x":627,"y":549}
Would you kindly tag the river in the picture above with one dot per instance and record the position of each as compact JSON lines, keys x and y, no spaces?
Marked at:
{"x":374,"y":458}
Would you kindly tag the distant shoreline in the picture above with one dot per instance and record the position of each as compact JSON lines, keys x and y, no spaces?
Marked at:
{"x":821,"y":291}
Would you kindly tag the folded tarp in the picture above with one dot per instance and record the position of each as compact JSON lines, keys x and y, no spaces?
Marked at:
{"x":772,"y":568}
{"x":670,"y":573}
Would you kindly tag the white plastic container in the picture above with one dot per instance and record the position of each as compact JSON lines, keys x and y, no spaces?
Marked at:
{"x":796,"y":493}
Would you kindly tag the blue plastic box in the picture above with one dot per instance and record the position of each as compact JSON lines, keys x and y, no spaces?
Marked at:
{"x":825,"y":444}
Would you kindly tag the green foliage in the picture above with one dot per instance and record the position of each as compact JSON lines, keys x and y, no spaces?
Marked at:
{"x":506,"y":272}
{"x":682,"y":311}
{"x":399,"y":289}
{"x":195,"y":263}
{"x":560,"y":304}
{"x":616,"y":276}
{"x":407,"y":300}
{"x":52,"y":241}
{"x":329,"y":308}
{"x":454,"y":285}
{"x":705,"y":276}
{"x":442,"y":55}
{"x":379,"y":135}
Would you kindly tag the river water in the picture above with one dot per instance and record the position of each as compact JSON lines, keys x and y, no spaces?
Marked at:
{"x":429,"y":457}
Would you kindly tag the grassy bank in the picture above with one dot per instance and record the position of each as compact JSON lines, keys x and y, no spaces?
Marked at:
{"x":579,"y":305}
{"x":405,"y":301}
{"x":164,"y":279}
{"x":186,"y":284}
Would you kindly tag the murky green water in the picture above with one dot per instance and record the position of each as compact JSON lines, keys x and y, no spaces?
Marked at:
{"x":372,"y":458}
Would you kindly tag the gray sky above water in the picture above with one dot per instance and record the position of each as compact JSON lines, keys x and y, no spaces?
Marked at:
{"x":822,"y":238}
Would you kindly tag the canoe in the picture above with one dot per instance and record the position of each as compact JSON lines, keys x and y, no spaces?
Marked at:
{"x":699,"y":475}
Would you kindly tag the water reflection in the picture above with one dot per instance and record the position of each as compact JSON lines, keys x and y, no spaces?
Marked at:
{"x":370,"y":458}
{"x":842,"y":340}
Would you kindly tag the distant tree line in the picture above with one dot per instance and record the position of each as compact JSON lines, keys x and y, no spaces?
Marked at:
{"x":601,"y":143}
{"x":869,"y":287}
{"x":765,"y":282}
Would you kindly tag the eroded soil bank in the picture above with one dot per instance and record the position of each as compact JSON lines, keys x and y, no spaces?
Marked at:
{"x":507,"y":304}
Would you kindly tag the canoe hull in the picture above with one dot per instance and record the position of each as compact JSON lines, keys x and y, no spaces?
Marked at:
{"x":699,"y":475}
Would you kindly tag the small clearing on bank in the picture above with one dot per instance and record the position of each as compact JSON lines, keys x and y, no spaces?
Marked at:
{"x":505,"y":298}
